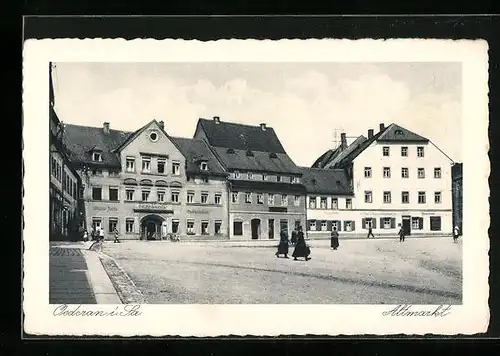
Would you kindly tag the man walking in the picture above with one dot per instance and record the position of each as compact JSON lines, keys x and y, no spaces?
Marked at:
{"x":370,"y":232}
{"x":283,"y":245}
{"x":401,"y":234}
{"x":115,"y":232}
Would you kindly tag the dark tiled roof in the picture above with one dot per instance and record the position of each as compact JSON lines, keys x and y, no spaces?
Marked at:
{"x":357,"y":142}
{"x":195,"y":152}
{"x":346,"y":160}
{"x":241,"y":137}
{"x":326,"y":181}
{"x":81,"y":139}
{"x":237,"y":184}
{"x":397,"y":133}
{"x":259,"y":162}
{"x":326,"y":157}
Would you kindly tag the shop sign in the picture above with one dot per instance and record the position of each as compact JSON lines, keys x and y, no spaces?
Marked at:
{"x":152,"y":207}
{"x":104,"y":208}
{"x":197,"y":211}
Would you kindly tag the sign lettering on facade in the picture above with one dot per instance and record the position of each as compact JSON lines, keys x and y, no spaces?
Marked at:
{"x":103,"y":208}
{"x":197,"y":211}
{"x":152,"y":207}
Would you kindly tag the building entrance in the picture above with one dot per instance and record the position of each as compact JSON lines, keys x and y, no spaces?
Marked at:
{"x":255,"y":229}
{"x":407,"y":225}
{"x":151,"y":227}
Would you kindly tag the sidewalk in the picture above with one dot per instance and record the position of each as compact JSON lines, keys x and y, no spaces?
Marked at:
{"x":78,"y":277}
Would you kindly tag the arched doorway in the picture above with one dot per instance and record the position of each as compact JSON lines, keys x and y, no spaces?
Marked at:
{"x":255,"y":229}
{"x":151,"y":227}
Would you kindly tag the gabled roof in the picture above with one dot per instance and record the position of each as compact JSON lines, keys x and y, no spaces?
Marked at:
{"x":356,"y":150}
{"x":258,"y":162}
{"x":326,"y":181}
{"x":326,"y":157}
{"x":195,"y":152}
{"x":339,"y":157}
{"x":399,"y":134}
{"x":241,"y":137}
{"x":136,"y":133}
{"x":80,"y":141}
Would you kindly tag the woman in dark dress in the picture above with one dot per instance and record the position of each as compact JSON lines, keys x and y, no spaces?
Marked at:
{"x":283,"y":246}
{"x":301,"y":249}
{"x":334,"y":239}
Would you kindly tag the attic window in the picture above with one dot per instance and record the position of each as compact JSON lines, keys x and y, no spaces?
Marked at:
{"x":230,"y":151}
{"x":204,"y":166}
{"x":249,"y":153}
{"x":273,"y":155}
{"x":153,"y":136}
{"x":399,"y":132}
{"x":97,"y":157}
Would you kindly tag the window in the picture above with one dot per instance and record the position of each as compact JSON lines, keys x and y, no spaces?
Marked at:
{"x":130,"y":164}
{"x":270,"y":199}
{"x":160,"y":194}
{"x":96,"y":224}
{"x":296,"y":200}
{"x":295,"y":179}
{"x":368,"y":196}
{"x":404,"y":151}
{"x":96,"y":193}
{"x":234,"y":197}
{"x":176,"y":168}
{"x":404,"y":173}
{"x":322,"y":203}
{"x":190,"y":227}
{"x":175,"y":197}
{"x":368,"y":172}
{"x":437,"y":172}
{"x":312,"y":202}
{"x":387,"y":223}
{"x":278,"y":178}
{"x":217,"y":198}
{"x":385,"y":151}
{"x":260,"y":198}
{"x":369,"y":223}
{"x":218,"y":225}
{"x":204,"y":197}
{"x":348,"y":203}
{"x":420,"y":151}
{"x":204,"y":227}
{"x":112,"y":224}
{"x":114,"y":173}
{"x":264,"y":176}
{"x":236,"y":174}
{"x":153,"y":136}
{"x":284,"y":199}
{"x":335,"y":203}
{"x":312,"y":225}
{"x":437,"y":197}
{"x":387,"y":172}
{"x":237,"y":228}
{"x":146,"y":164}
{"x":97,"y":172}
{"x":348,"y":226}
{"x":129,"y":226}
{"x":205,"y":179}
{"x":323,"y":225}
{"x":113,"y":194}
{"x":435,"y":223}
{"x":175,"y":226}
{"x":417,"y":223}
{"x":161,"y":165}
{"x":129,"y":195}
{"x":145,"y":195}
{"x":96,"y":156}
{"x":190,"y":197}
{"x":248,"y":197}
{"x":405,"y":197}
{"x":250,"y":175}
{"x":421,"y":173}
{"x":387,"y":197}
{"x":204,"y":166}
{"x":421,"y":197}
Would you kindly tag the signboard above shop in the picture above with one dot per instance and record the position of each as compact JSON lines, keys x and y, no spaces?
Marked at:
{"x":153,"y":208}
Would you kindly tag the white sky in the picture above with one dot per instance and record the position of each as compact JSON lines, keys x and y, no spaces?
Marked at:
{"x":303,"y":102}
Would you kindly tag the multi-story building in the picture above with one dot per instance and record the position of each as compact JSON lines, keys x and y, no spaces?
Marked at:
{"x":264,"y":183}
{"x":398,"y":177}
{"x":147,"y":184}
{"x":458,"y":191}
{"x":64,"y":183}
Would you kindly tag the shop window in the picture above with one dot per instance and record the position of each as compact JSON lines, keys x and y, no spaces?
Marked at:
{"x":238,"y":228}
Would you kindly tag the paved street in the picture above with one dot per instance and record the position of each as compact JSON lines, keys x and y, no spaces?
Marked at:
{"x":419,"y":271}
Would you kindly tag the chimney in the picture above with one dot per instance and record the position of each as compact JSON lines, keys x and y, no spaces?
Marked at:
{"x":162,"y":125}
{"x":370,"y":133}
{"x":343,"y":141}
{"x":263,"y":127}
{"x":105,"y":127}
{"x":217,"y":119}
{"x":382,"y":127}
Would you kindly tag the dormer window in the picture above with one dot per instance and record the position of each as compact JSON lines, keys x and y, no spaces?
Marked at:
{"x":204,"y":166}
{"x":249,"y":153}
{"x":236,"y":174}
{"x":230,"y":151}
{"x":97,"y":157}
{"x":399,"y":133}
{"x":273,"y":155}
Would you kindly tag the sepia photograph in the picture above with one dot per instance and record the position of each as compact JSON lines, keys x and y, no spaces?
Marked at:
{"x":268,"y":182}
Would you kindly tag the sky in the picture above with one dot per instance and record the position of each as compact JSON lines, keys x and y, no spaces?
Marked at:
{"x":308,"y":104}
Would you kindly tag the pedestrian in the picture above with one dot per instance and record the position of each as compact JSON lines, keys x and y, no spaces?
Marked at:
{"x":401,"y":234}
{"x":283,"y":245}
{"x":456,"y":233}
{"x":301,"y":248}
{"x":92,"y":234}
{"x":115,"y":232}
{"x":294,"y":236}
{"x":370,"y":232}
{"x":101,"y":235}
{"x":334,"y":239}
{"x":85,"y":236}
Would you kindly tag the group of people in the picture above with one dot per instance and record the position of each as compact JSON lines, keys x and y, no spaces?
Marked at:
{"x":97,"y":235}
{"x":298,"y":241}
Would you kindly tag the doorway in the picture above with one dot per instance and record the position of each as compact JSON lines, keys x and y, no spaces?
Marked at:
{"x":151,"y":227}
{"x":407,"y":225}
{"x":255,"y":229}
{"x":271,"y":228}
